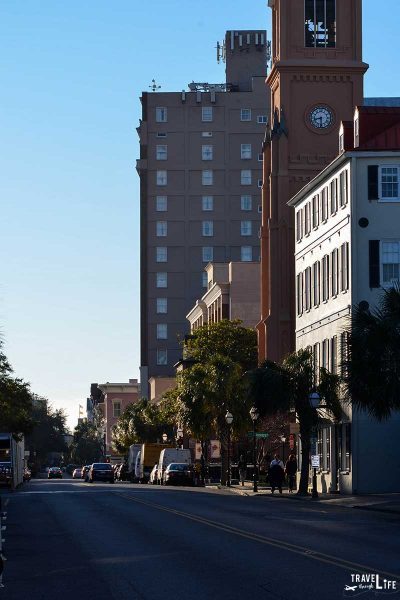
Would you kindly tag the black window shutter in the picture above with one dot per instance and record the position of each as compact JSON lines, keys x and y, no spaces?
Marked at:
{"x":374,"y":266}
{"x":373,"y":182}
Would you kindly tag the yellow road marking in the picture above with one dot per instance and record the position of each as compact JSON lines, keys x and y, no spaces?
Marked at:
{"x":302,"y":550}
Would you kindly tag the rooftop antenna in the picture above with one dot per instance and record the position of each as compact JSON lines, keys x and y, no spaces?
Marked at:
{"x":154,"y":87}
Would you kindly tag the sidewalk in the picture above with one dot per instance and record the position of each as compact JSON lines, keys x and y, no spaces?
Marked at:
{"x":386,"y":503}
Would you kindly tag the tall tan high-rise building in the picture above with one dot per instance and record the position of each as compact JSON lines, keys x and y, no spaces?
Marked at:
{"x":200,"y":173}
{"x":315,"y":82}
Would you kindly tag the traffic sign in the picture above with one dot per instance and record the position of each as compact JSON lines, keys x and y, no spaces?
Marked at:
{"x":263,"y":435}
{"x":315,"y":461}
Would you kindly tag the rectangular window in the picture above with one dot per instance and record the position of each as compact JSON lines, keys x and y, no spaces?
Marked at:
{"x":161,"y":228}
{"x":245,"y":228}
{"x":324,"y":202}
{"x":307,"y":217}
{"x":260,"y":157}
{"x":162,"y":331}
{"x":315,"y":211}
{"x":245,"y":114}
{"x":343,"y":188}
{"x":307,"y":283}
{"x":161,"y":254}
{"x":343,"y":352}
{"x":389,"y":183}
{"x":207,"y":152}
{"x":390,"y":269}
{"x":245,"y":151}
{"x":162,"y":178}
{"x":161,"y":280}
{"x":207,"y":253}
{"x":207,"y":203}
{"x":334,"y":272}
{"x":316,"y":286}
{"x":262,"y":119}
{"x":161,"y":203}
{"x":161,"y":114}
{"x":207,"y":114}
{"x":316,"y":359}
{"x":344,"y":267}
{"x":161,"y":152}
{"x":320,"y":23}
{"x":204,"y":279}
{"x":207,"y":177}
{"x":259,"y":183}
{"x":325,"y":278}
{"x":327,"y":449}
{"x":334,"y":355}
{"x":333,"y":190}
{"x":161,"y":134}
{"x":162,"y":306}
{"x":245,"y":202}
{"x":208,"y":228}
{"x":325,"y":354}
{"x":246,"y":253}
{"x":162,"y":356}
{"x":298,"y":226}
{"x":245,"y":177}
{"x":116,"y":409}
{"x":299,"y":294}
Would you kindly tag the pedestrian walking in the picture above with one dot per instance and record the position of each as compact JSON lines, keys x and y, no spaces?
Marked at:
{"x":276,"y":474}
{"x":291,"y":471}
{"x":242,"y":465}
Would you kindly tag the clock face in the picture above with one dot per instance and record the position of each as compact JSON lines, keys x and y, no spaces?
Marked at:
{"x":321,"y":117}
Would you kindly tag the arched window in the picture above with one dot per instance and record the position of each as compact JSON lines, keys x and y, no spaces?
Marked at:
{"x":320,"y":23}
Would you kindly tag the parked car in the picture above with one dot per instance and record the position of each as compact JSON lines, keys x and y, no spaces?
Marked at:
{"x":122,"y":473}
{"x":54,"y":473}
{"x":85,"y":472}
{"x":70,"y":468}
{"x":77,"y":473}
{"x":178,"y":474}
{"x":153,"y":475}
{"x":172,"y":455}
{"x":101,"y":472}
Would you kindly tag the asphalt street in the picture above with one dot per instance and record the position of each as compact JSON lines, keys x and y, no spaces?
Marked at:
{"x":71,"y":540}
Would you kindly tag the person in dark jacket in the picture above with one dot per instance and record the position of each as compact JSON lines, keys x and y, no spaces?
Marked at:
{"x":291,"y":471}
{"x":242,"y":465}
{"x":276,"y":474}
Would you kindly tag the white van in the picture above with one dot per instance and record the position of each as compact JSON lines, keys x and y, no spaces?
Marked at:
{"x":137,"y":467}
{"x":132,"y":455}
{"x":172,"y":455}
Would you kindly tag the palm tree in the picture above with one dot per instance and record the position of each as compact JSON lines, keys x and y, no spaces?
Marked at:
{"x":278,"y":388}
{"x":371,"y":368}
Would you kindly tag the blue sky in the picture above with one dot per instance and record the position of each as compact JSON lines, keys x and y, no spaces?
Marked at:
{"x":71,"y":76}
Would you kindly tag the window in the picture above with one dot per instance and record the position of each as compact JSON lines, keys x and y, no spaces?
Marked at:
{"x":162,"y":306}
{"x":116,"y":409}
{"x":162,"y":178}
{"x":161,"y":203}
{"x":204,"y":280}
{"x":207,"y":114}
{"x":324,"y":204}
{"x":325,"y":355}
{"x":246,"y":253}
{"x":325,"y":278}
{"x":206,"y":134}
{"x":245,"y":202}
{"x":333,"y":190}
{"x":162,"y":331}
{"x":161,"y":280}
{"x":326,"y":460}
{"x":299,"y":229}
{"x":161,"y":135}
{"x":207,"y":253}
{"x":389,"y":183}
{"x":207,"y":177}
{"x":262,"y":119}
{"x":245,"y":114}
{"x":344,"y":353}
{"x":307,"y":285}
{"x":344,"y":267}
{"x":315,"y":211}
{"x":260,"y":157}
{"x":161,"y":152}
{"x":207,"y":203}
{"x":334,"y":368}
{"x":245,"y":177}
{"x":320,"y":23}
{"x":162,"y":357}
{"x":245,"y":151}
{"x":344,"y":446}
{"x":307,"y":218}
{"x":208,"y":228}
{"x":343,"y":187}
{"x":334,"y":272}
{"x":161,"y":228}
{"x":245,"y":228}
{"x":316,"y":286}
{"x":260,"y":183}
{"x":161,"y":114}
{"x":390,"y":263}
{"x":161,"y":254}
{"x":316,"y":350}
{"x":299,"y":287}
{"x":207,"y":152}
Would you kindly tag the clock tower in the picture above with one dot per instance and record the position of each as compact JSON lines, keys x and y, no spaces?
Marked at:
{"x":316,"y":80}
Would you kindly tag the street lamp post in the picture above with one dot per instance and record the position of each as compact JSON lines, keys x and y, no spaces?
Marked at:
{"x":315,"y":401}
{"x":229,"y":420}
{"x":254,"y":416}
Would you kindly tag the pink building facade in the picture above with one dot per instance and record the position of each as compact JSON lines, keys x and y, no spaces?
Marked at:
{"x":117,"y":396}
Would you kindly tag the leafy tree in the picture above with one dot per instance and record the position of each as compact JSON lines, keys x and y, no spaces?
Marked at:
{"x":48,"y":431}
{"x":276,"y":388}
{"x":15,"y":400}
{"x":87,"y":445}
{"x":372,"y":367}
{"x":137,"y":424}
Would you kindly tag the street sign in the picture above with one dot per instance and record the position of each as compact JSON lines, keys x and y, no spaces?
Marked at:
{"x":261,"y":435}
{"x":315,"y":461}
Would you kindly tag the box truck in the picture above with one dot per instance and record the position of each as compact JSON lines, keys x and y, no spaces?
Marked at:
{"x":172,"y":455}
{"x":12,"y":460}
{"x":149,"y":456}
